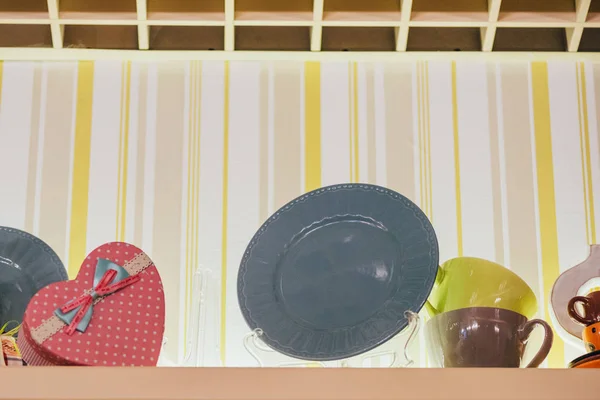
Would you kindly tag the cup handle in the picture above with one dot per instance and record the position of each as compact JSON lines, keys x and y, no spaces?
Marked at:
{"x":413,"y":326}
{"x":574,"y":314}
{"x":439,"y":277}
{"x":524,"y":332}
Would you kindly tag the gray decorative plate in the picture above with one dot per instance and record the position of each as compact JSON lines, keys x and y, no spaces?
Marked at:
{"x":27,"y":264}
{"x":330,"y":274}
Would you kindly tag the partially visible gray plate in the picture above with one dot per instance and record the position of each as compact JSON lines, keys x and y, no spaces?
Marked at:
{"x":27,"y":264}
{"x":331,"y":274}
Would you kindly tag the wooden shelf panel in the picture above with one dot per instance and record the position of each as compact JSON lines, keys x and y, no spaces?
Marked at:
{"x":274,"y":10}
{"x":444,"y":39}
{"x":538,"y":10}
{"x":187,"y":38}
{"x":590,"y":40}
{"x":444,"y":10}
{"x":341,"y":25}
{"x":122,"y":37}
{"x":186,"y":10}
{"x":97,"y":9}
{"x":75,"y":383}
{"x":19,"y":9}
{"x":594,"y":11}
{"x":360,"y":10}
{"x":337,"y":38}
{"x":530,"y":39}
{"x":272,"y":38}
{"x":25,"y":36}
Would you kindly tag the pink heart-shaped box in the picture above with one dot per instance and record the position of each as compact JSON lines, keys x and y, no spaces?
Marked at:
{"x":126,"y":327}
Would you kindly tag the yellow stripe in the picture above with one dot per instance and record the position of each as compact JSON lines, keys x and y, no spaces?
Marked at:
{"x":224,"y":221}
{"x":546,"y":200}
{"x":312,"y":98}
{"x":457,"y":163}
{"x":428,"y":141}
{"x":125,"y":149}
{"x":356,"y":143}
{"x":586,"y":132}
{"x":81,"y":166}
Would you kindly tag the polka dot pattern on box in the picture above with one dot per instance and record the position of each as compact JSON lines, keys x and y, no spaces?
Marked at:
{"x":126,"y":327}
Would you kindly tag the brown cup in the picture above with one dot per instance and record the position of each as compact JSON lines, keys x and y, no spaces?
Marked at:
{"x":591,"y":308}
{"x":483,"y":337}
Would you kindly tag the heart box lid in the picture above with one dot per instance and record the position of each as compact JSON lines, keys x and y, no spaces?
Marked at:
{"x":111,"y":314}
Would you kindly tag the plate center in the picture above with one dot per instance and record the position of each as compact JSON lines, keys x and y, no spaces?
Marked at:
{"x":338,"y":273}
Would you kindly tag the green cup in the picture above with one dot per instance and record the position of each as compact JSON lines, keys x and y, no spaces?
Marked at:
{"x":474,"y":282}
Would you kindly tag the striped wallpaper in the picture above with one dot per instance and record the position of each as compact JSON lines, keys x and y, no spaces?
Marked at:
{"x":187,"y":159}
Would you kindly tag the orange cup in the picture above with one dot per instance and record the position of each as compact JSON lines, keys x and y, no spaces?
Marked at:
{"x":590,"y":360}
{"x":591,"y":337}
{"x":594,"y":363}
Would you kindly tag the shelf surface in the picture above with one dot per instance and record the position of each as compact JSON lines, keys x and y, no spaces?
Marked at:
{"x":332,"y":25}
{"x":66,"y":383}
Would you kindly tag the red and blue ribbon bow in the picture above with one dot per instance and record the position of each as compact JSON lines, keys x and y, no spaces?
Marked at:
{"x":108,"y":278}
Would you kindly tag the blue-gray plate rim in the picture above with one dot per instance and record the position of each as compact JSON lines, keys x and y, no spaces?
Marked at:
{"x":27,"y":264}
{"x":330,"y":274}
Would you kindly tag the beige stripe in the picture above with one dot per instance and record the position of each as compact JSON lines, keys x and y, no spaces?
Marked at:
{"x":196,"y":177}
{"x":427,"y":141}
{"x":521,"y":205}
{"x":287,"y":172}
{"x":264,"y":143}
{"x":495,"y":161}
{"x":424,"y":139}
{"x":33,"y":148}
{"x":169,"y":188}
{"x":138,"y":232}
{"x":54,"y":196}
{"x":422,"y":104}
{"x":399,"y":129}
{"x":371,"y":146}
{"x":596,"y":69}
{"x":400,"y":168}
